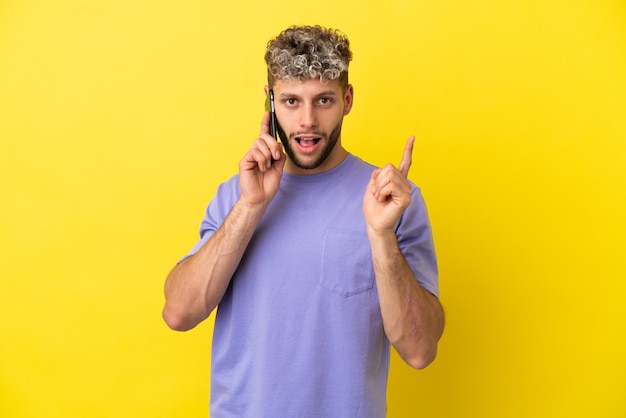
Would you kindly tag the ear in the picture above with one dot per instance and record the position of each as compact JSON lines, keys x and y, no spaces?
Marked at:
{"x":348,"y":99}
{"x":266,"y":89}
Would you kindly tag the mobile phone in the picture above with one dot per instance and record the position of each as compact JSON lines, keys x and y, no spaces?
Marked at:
{"x":269,"y":106}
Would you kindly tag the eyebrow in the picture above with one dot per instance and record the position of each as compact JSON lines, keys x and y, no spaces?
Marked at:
{"x":320,"y":94}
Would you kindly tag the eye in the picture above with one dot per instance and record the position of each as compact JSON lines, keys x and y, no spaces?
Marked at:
{"x":290,"y":101}
{"x":325,"y":101}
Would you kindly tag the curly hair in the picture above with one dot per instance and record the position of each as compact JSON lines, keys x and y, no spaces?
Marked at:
{"x":306,"y":52}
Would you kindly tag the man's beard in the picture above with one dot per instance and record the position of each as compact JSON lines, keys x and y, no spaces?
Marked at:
{"x":326,"y":151}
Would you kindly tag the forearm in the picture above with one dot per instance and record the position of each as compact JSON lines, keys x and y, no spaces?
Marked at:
{"x":196,"y":285}
{"x":412,"y":317}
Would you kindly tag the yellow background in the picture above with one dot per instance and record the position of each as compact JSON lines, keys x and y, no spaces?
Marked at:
{"x":119,"y":118}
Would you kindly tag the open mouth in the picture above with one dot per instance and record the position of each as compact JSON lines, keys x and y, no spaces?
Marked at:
{"x":308,"y":141}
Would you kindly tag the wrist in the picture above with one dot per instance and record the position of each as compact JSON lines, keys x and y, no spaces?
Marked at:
{"x":381,"y":234}
{"x":249,"y":210}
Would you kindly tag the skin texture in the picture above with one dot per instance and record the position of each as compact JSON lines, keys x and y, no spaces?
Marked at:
{"x":310,"y":114}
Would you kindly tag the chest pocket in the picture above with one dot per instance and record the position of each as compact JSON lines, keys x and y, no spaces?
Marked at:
{"x":346,"y":262}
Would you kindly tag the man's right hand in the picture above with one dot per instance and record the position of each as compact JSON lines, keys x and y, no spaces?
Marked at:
{"x":258,"y":177}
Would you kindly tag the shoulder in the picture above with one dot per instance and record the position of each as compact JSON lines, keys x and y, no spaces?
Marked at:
{"x":225,"y":197}
{"x":356,"y":168}
{"x":357,"y":163}
{"x":229,"y":187}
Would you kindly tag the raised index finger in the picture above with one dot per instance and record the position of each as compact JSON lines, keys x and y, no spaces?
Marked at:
{"x":407,"y":157}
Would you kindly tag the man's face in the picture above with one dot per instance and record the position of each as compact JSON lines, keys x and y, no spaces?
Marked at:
{"x":310,"y":114}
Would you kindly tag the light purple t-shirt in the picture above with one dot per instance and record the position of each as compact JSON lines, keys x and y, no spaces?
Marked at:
{"x":299,"y":331}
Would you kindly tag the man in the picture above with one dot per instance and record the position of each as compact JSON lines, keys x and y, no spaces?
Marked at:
{"x":316,"y":259}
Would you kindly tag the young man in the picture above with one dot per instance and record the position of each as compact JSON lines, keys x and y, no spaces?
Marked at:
{"x":317,"y":260}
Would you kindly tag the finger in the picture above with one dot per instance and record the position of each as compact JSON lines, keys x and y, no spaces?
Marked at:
{"x":264,"y":151}
{"x":258,"y":159}
{"x":271,"y":142}
{"x":265,"y":124}
{"x":373,"y":180}
{"x":407,"y":157}
{"x":381,"y":181}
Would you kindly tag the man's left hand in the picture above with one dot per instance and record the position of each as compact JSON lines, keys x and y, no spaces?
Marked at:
{"x":388,"y":193}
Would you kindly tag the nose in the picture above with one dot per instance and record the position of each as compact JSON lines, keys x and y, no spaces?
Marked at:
{"x":308,"y":117}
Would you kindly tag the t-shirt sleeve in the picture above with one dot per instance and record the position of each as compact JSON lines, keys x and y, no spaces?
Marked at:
{"x":217,"y":210}
{"x":416,"y":242}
